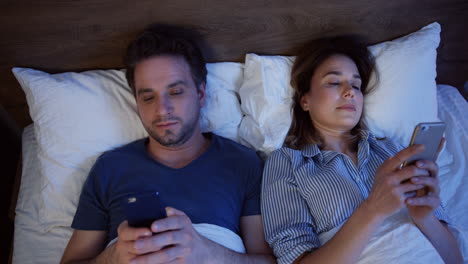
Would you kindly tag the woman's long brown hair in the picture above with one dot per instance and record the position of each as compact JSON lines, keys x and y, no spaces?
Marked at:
{"x":309,"y":58}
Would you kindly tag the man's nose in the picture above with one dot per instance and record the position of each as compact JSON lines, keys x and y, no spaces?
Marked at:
{"x":164,"y":106}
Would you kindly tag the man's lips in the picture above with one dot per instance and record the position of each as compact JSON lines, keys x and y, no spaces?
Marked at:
{"x":347,"y":107}
{"x":165,"y":124}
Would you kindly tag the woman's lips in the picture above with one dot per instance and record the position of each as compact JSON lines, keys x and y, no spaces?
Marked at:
{"x":347,"y":107}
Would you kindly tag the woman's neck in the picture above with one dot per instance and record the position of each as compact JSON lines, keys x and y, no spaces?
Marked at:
{"x":339,"y":141}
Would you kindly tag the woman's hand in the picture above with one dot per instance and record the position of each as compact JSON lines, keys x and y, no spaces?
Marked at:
{"x":420,"y":209}
{"x":391,"y":184}
{"x":423,"y":205}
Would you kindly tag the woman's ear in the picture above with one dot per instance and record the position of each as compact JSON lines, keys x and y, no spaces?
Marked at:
{"x":304,"y":104}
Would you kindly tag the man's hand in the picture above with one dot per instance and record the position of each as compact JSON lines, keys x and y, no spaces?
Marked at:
{"x":124,"y":250}
{"x":175,"y":241}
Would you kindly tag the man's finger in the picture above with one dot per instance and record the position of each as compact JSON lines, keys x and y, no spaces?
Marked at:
{"x":172,"y":211}
{"x":167,"y":255}
{"x":173,"y":222}
{"x":127,"y":233}
{"x":160,"y":241}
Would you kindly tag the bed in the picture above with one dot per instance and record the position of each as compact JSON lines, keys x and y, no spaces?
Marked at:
{"x":252,"y":43}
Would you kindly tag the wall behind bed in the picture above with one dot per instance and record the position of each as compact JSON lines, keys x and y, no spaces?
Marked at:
{"x":63,"y":35}
{"x":66,"y":35}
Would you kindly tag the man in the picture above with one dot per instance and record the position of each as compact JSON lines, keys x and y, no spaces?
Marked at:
{"x":208,"y":179}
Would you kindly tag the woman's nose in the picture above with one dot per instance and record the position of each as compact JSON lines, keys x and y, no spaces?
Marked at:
{"x":348,"y":90}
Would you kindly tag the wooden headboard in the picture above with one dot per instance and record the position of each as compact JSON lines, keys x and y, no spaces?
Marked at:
{"x":65,"y":35}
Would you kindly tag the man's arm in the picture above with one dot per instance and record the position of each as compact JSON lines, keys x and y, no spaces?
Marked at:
{"x":254,"y":240}
{"x":84,"y":246}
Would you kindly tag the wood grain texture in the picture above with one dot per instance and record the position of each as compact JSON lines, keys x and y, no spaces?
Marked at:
{"x":67,"y":35}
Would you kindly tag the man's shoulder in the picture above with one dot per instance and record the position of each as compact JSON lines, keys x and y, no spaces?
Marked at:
{"x":230,"y":147}
{"x":132,"y":149}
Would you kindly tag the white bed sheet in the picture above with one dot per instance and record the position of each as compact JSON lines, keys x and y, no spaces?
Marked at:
{"x":30,"y":244}
{"x":34,"y":246}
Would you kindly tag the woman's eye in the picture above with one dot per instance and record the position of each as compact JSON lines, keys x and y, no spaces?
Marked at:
{"x":146,"y":99}
{"x":334,"y":83}
{"x":356,"y":87}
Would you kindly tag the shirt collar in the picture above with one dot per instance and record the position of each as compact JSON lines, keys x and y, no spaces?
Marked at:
{"x":311,"y":150}
{"x":365,"y":139}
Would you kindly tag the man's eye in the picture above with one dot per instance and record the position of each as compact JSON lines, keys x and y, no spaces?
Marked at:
{"x":176,"y":92}
{"x":147,"y":99}
{"x":334,"y":83}
{"x":356,"y":87}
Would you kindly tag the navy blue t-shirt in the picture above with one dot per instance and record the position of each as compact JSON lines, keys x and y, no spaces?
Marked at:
{"x":218,"y":188}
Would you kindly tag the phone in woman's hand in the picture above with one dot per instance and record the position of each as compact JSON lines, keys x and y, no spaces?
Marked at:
{"x":429,"y":135}
{"x":143,"y":209}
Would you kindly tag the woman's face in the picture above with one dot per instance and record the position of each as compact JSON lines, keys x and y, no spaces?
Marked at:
{"x":334,"y":100}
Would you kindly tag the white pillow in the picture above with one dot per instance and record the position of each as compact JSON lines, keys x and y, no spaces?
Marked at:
{"x":222,"y":111}
{"x":266,"y":99}
{"x":405,"y":95}
{"x":78,"y":116}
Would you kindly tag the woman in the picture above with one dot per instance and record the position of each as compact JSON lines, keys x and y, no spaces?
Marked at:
{"x":333,"y":174}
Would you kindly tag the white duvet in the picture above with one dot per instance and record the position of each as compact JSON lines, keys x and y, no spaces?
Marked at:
{"x":397,"y":241}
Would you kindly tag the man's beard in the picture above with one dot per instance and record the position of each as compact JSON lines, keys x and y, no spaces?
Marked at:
{"x":170,"y":139}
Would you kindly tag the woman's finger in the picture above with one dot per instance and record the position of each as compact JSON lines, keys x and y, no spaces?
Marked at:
{"x":441,"y":146}
{"x":430,"y":182}
{"x":429,"y":166}
{"x":430,"y":200}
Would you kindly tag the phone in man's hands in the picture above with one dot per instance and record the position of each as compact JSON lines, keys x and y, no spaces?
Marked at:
{"x":143,"y":209}
{"x":429,"y":135}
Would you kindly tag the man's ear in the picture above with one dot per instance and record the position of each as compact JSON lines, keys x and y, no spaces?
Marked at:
{"x":202,"y":93}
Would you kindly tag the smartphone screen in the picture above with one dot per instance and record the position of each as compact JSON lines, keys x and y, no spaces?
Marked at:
{"x":143,"y":209}
{"x":429,"y":135}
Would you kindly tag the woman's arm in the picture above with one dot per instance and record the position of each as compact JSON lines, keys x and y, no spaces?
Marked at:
{"x":422,"y":209}
{"x":387,"y":196}
{"x":442,"y":239}
{"x":348,"y":243}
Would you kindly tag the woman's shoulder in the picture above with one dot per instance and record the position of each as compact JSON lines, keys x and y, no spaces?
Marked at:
{"x":290,"y":157}
{"x":387,"y":144}
{"x":285,"y":153}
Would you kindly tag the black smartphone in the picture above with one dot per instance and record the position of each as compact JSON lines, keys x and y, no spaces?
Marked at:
{"x":143,"y":209}
{"x":430,"y":135}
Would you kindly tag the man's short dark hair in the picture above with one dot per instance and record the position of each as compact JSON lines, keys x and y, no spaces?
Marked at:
{"x":172,"y":40}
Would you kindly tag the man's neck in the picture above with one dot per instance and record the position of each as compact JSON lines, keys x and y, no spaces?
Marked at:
{"x":180,"y":156}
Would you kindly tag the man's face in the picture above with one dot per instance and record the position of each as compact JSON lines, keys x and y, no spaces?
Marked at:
{"x":168,"y":100}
